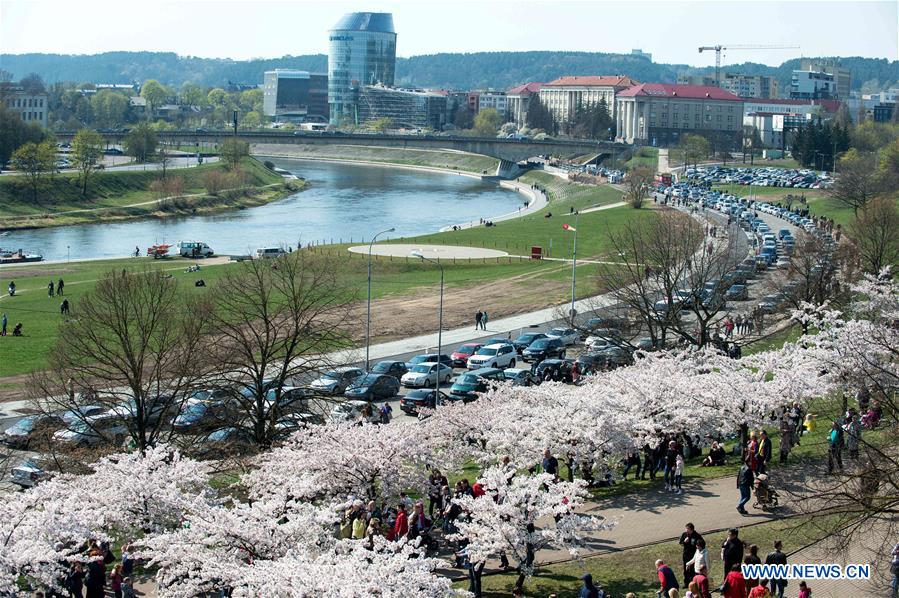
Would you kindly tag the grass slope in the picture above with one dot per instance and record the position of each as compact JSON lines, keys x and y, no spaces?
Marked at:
{"x":109,"y":189}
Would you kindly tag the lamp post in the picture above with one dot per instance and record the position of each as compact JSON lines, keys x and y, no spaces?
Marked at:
{"x":421,"y":256}
{"x":368,"y":309}
{"x":573,"y":268}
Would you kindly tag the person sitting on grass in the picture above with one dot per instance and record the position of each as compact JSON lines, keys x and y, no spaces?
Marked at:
{"x":716,"y":456}
{"x":17,"y":330}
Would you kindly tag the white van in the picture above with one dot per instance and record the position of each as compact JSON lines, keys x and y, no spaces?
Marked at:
{"x":194,"y":249}
{"x":268,"y":252}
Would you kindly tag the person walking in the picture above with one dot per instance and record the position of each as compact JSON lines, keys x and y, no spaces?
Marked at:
{"x":786,"y":436}
{"x":115,"y":580}
{"x":752,"y":559}
{"x":667,"y":580}
{"x":550,"y":463}
{"x":484,"y":319}
{"x":3,"y":323}
{"x":734,"y":584}
{"x":477,"y":319}
{"x":894,"y":570}
{"x":699,"y":564}
{"x":50,"y":289}
{"x":649,"y":462}
{"x":777,"y":557}
{"x":853,"y":435}
{"x":64,"y":307}
{"x":589,"y":590}
{"x":689,"y":541}
{"x":835,"y":451}
{"x":11,"y":288}
{"x":59,"y":287}
{"x":678,"y":473}
{"x":745,"y":478}
{"x":670,"y":463}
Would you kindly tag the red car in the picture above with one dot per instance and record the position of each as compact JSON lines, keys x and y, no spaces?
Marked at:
{"x":461,"y":355}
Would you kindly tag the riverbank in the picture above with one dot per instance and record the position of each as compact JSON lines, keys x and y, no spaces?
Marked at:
{"x":119,"y":196}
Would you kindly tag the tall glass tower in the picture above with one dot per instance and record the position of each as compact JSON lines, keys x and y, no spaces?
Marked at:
{"x":361,"y":51}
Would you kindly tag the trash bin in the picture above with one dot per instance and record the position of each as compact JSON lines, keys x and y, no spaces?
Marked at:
{"x":536,"y":252}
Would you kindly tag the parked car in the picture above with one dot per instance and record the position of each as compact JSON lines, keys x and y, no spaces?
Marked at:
{"x":494,"y":356}
{"x":554,"y":369}
{"x":460,"y":356}
{"x":80,"y":412}
{"x":390,"y":368}
{"x":769,"y":304}
{"x":372,"y":387}
{"x":200,"y":415}
{"x":595,"y":343}
{"x":593,"y":325}
{"x":737,"y":292}
{"x":544,"y":348}
{"x":426,"y":374}
{"x":519,"y":376}
{"x":224,"y":441}
{"x":616,"y":357}
{"x":430,"y":357}
{"x":22,"y":433}
{"x":267,"y":253}
{"x":569,"y":336}
{"x":348,"y":411}
{"x":100,"y":429}
{"x":588,"y":363}
{"x":194,"y":249}
{"x":524,"y":341}
{"x":28,"y":474}
{"x":334,"y":382}
{"x":421,"y":399}
{"x":468,"y":385}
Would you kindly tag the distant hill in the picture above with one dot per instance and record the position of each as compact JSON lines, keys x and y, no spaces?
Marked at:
{"x":452,"y":71}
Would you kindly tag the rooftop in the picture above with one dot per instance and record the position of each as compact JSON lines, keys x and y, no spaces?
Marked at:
{"x":828,"y":105}
{"x":366,"y":21}
{"x":527,"y":88}
{"x":690,"y":92}
{"x":593,"y":81}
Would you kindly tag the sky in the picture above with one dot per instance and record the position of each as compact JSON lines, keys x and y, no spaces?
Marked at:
{"x":670,"y":30}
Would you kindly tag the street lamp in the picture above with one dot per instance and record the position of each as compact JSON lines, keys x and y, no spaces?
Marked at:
{"x":573,"y":266}
{"x":417,"y":253}
{"x":368,"y":310}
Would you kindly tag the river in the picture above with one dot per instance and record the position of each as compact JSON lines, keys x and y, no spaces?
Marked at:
{"x":342,"y":202}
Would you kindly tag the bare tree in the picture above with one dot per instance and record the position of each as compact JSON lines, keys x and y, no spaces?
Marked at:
{"x":134,"y":350}
{"x":857,"y":181}
{"x":275,"y":322}
{"x":637,"y":185}
{"x":876,"y":234}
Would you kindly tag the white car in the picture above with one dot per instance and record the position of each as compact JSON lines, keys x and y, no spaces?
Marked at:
{"x":783,"y":263}
{"x":93,"y":431}
{"x":598,"y":343}
{"x":425,"y":374}
{"x":498,"y":355}
{"x":569,"y":336}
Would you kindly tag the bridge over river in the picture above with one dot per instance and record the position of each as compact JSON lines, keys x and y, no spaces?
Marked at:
{"x":507,"y":151}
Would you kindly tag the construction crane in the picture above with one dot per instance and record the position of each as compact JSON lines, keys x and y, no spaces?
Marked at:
{"x":720,"y":47}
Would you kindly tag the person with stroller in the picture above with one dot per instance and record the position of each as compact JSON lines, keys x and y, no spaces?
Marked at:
{"x":765,"y":495}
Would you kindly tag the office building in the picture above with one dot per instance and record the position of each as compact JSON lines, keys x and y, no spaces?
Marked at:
{"x":295,"y":96}
{"x":493,"y":99}
{"x":812,"y":85}
{"x":659,"y":114}
{"x":406,"y":108}
{"x":842,"y":76}
{"x":563,"y":96}
{"x":824,"y":108}
{"x":749,"y":86}
{"x":28,"y":105}
{"x":701,"y":80}
{"x":361,"y":52}
{"x":772,"y":127}
{"x":518,"y":99}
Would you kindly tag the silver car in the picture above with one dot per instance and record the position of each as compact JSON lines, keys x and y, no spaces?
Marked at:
{"x":335,"y":382}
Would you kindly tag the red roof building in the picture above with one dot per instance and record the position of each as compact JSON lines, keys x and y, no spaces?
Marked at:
{"x":660,"y":113}
{"x":565,"y":94}
{"x":518,"y":99}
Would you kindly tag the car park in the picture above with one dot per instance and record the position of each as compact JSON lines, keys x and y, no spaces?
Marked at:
{"x":427,"y":374}
{"x":493,"y":356}
{"x":524,"y":341}
{"x":334,"y":382}
{"x":460,"y":356}
{"x":569,"y":336}
{"x":469,"y":385}
{"x":544,"y":348}
{"x":519,"y":376}
{"x":416,"y":400}
{"x":372,"y":387}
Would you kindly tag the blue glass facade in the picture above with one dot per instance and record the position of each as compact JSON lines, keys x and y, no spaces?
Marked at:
{"x":361,"y":51}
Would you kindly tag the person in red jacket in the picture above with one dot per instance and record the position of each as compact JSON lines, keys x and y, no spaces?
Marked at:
{"x":401,"y":525}
{"x":667,"y":579}
{"x":734,"y":584}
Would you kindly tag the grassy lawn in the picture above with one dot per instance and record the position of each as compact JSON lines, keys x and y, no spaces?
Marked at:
{"x":109,"y":189}
{"x":775,"y":341}
{"x":634,"y":570}
{"x":644,"y":156}
{"x":439,"y":159}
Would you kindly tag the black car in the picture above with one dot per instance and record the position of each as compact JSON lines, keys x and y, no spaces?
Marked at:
{"x":544,"y":348}
{"x":390,"y":368}
{"x":371,"y":387}
{"x":592,"y":325}
{"x":421,"y":399}
{"x":614,"y":357}
{"x":558,"y":370}
{"x":467,"y":386}
{"x":524,"y":341}
{"x":588,"y":363}
{"x":519,"y":376}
